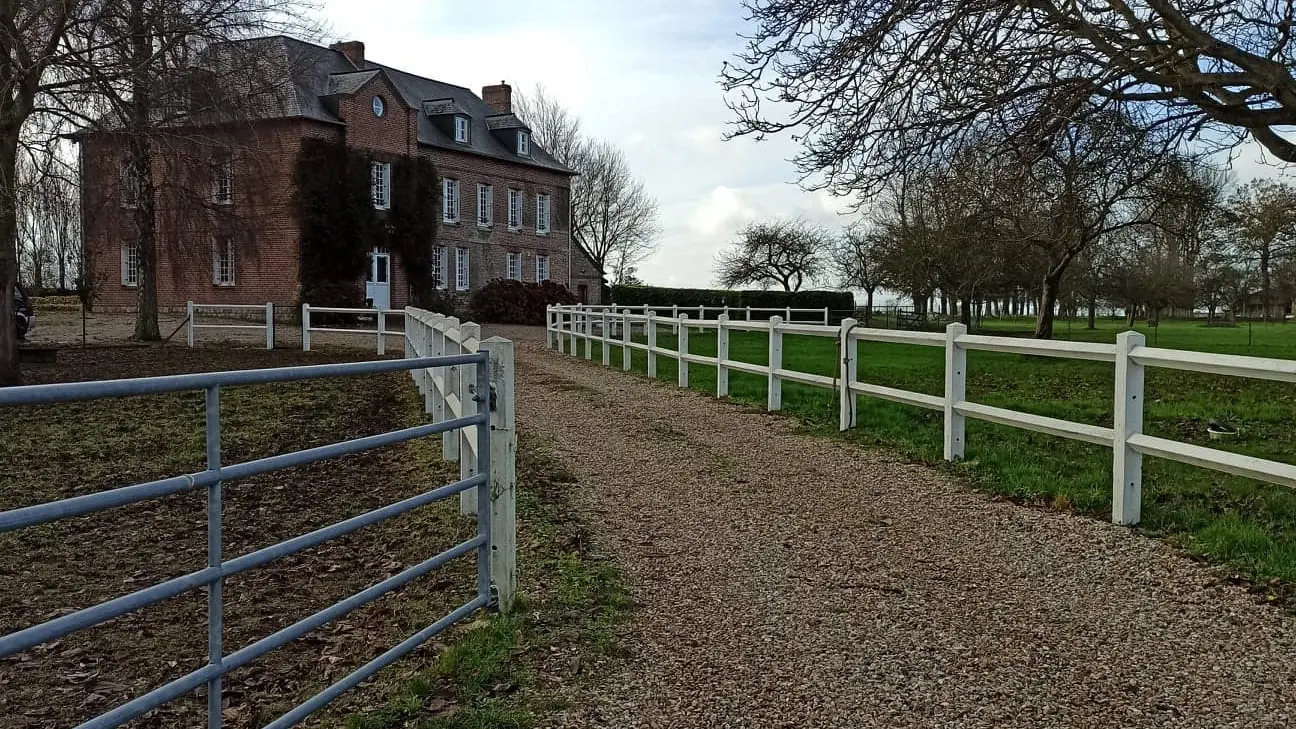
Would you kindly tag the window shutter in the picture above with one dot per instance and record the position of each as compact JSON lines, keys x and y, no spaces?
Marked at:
{"x":125,"y":264}
{"x":216,"y":262}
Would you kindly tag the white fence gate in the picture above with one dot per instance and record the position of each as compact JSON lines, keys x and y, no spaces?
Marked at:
{"x":566,"y":325}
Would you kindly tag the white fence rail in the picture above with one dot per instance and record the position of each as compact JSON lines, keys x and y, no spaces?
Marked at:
{"x":450,"y":393}
{"x":566,"y":325}
{"x":192,"y":310}
{"x":379,"y":330}
{"x":735,"y":313}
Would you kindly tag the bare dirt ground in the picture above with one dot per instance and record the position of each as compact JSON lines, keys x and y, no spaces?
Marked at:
{"x":785,"y":580}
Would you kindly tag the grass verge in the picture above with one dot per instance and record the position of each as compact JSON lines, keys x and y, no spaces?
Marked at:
{"x":508,"y":671}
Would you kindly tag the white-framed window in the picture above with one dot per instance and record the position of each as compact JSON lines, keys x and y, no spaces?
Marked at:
{"x":223,"y":261}
{"x":461,"y":129}
{"x":514,"y":270}
{"x":450,"y":200}
{"x":485,"y":205}
{"x":524,"y":143}
{"x":542,"y":267}
{"x":461,"y":269}
{"x":223,"y":182}
{"x":130,"y":268}
{"x":515,"y":209}
{"x":380,"y":185}
{"x":542,"y":213}
{"x":130,"y":186}
{"x":439,"y":267}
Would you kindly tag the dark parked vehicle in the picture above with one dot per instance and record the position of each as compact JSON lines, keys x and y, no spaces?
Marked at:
{"x":24,"y":316}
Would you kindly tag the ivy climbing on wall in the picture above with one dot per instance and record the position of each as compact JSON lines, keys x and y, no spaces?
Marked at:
{"x":339,"y":225}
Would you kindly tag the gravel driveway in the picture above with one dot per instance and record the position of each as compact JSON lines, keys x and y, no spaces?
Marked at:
{"x":785,"y":580}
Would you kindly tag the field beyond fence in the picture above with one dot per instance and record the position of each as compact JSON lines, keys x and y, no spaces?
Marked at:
{"x":1247,"y":524}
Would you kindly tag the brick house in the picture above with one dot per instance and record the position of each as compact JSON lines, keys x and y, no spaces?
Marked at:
{"x":504,"y":211}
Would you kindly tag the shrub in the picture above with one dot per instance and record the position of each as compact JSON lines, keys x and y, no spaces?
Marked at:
{"x":505,"y":301}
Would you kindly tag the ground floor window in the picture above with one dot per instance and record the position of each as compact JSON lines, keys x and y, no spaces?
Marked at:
{"x":439,"y":268}
{"x":130,"y":264}
{"x":223,"y":262}
{"x":514,"y":266}
{"x":461,"y":269}
{"x":542,"y":267}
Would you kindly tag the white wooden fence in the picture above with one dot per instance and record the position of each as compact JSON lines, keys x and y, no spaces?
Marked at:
{"x":380,"y":324}
{"x":566,"y":325}
{"x":450,"y":393}
{"x":267,"y":324}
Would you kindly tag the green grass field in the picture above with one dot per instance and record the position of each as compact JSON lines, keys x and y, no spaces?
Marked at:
{"x":1247,"y":525}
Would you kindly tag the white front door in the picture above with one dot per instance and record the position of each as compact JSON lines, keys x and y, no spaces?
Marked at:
{"x":378,"y":283}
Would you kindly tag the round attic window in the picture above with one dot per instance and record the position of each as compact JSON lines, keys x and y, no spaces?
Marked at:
{"x":379,"y":106}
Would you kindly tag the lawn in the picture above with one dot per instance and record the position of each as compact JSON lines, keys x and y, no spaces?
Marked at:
{"x":1247,"y":525}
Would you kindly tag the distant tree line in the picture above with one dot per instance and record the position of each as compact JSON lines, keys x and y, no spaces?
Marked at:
{"x":1043,"y":155}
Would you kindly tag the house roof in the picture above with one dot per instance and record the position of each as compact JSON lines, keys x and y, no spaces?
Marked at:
{"x":314,"y":73}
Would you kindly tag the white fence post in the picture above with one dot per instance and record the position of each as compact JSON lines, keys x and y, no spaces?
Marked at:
{"x":748,"y":314}
{"x":1127,"y":463}
{"x":955,"y":391}
{"x":450,"y":346}
{"x":701,"y":315}
{"x":270,"y":325}
{"x":681,"y":346}
{"x":774,"y":394}
{"x":466,"y":385}
{"x":189,"y":312}
{"x":574,"y":329}
{"x":788,"y":319}
{"x":626,"y":330}
{"x":675,"y":316}
{"x":436,"y":348}
{"x":826,"y":319}
{"x":848,"y":400}
{"x":589,"y":335}
{"x":652,"y":344}
{"x":722,"y":354}
{"x":382,"y":332}
{"x":606,"y":339}
{"x":503,"y":473}
{"x":549,"y":327}
{"x":305,"y":327}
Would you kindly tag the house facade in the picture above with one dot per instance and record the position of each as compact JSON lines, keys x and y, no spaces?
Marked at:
{"x":504,"y":209}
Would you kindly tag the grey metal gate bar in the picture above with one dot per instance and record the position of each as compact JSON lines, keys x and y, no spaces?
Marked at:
{"x":218,"y":568}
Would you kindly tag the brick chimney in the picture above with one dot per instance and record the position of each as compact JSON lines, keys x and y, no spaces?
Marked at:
{"x":353,"y":50}
{"x":499,"y":98}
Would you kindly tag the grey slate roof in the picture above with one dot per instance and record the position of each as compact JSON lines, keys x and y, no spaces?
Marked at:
{"x":317,"y":74}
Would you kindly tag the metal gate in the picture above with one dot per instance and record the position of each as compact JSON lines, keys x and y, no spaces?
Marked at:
{"x":218,"y":568}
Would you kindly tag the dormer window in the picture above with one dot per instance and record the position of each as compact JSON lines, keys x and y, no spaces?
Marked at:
{"x":461,"y":129}
{"x":523,"y":144}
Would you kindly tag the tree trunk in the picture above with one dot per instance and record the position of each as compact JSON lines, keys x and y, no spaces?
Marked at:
{"x":1264,"y":282}
{"x":965,"y":312}
{"x":1093,"y":313}
{"x":141,"y":119}
{"x":868,"y":307}
{"x":9,"y":372}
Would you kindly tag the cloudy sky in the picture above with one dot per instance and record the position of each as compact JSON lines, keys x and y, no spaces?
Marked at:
{"x":640,"y":73}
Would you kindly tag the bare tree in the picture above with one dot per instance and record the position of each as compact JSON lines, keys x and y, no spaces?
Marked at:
{"x":857,"y":262}
{"x":613,"y":217}
{"x":873,"y":85}
{"x":787,"y":253}
{"x":35,"y":46}
{"x":168,"y":82}
{"x":1262,"y":215}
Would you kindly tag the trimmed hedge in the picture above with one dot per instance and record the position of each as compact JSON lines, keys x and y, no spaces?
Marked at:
{"x":505,"y":301}
{"x":839,"y":303}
